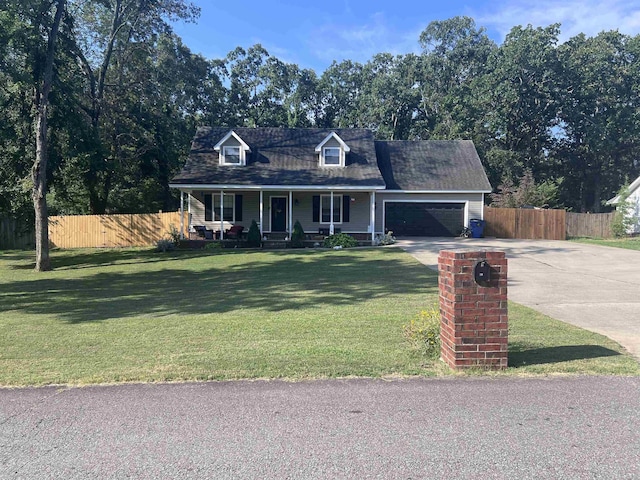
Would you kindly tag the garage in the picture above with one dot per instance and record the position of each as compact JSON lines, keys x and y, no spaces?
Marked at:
{"x":424,"y":219}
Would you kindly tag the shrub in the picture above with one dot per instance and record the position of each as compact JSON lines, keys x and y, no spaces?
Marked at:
{"x":253,"y":236}
{"x":423,"y":331}
{"x":213,"y":245}
{"x":174,"y":234}
{"x":165,"y":245}
{"x":340,"y":240}
{"x":624,"y":219}
{"x":297,"y":237}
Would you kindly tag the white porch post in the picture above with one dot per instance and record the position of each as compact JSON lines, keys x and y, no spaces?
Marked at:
{"x":181,"y":215}
{"x":189,"y":211}
{"x":372,"y":199}
{"x":261,"y":213}
{"x":331,"y":230}
{"x":221,"y":214}
{"x":290,"y":213}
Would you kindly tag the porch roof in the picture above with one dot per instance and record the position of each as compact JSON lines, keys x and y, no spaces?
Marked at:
{"x":293,"y":188}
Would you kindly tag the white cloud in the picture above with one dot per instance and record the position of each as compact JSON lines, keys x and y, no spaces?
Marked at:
{"x":335,"y":40}
{"x":575,"y":16}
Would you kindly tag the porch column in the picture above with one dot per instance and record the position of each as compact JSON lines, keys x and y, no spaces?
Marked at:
{"x":261,"y":213}
{"x":372,"y":199}
{"x":221,"y":214}
{"x":189,"y":211}
{"x":181,"y":215}
{"x":331,"y":215}
{"x":290,"y":214}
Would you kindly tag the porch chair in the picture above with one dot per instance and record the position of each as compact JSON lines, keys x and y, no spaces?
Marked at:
{"x":199,"y":229}
{"x":234,"y":232}
{"x":203,"y":232}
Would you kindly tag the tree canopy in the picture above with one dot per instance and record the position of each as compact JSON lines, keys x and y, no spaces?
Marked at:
{"x":127,"y":94}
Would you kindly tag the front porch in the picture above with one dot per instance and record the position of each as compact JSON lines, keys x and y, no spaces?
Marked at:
{"x":321,"y":212}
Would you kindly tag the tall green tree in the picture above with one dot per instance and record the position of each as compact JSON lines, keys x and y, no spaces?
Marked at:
{"x":17,"y":141}
{"x":341,"y":86}
{"x":108,"y":41}
{"x":390,"y":97}
{"x":29,"y":31}
{"x":43,"y":80}
{"x":455,"y":54}
{"x":599,"y":115}
{"x":520,"y":95}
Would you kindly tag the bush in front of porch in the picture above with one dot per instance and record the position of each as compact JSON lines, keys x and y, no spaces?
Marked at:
{"x":297,"y":236}
{"x":253,"y":236}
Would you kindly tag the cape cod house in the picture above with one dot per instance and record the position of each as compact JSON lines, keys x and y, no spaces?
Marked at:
{"x":330,"y":180}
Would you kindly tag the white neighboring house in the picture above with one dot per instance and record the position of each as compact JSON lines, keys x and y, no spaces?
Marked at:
{"x":634,"y":207}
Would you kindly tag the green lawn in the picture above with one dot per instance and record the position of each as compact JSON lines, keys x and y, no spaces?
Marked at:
{"x":135,"y":315}
{"x":632,"y":243}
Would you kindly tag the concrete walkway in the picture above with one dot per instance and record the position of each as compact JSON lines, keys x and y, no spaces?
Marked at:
{"x":593,"y":287}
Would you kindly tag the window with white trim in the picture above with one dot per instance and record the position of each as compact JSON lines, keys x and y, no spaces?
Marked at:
{"x":331,"y":156}
{"x":231,"y":155}
{"x":228,"y":207}
{"x":325,"y":209}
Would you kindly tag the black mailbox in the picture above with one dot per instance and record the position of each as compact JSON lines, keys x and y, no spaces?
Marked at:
{"x":482,"y":272}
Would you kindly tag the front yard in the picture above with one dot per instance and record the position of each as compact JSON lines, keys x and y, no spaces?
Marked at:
{"x":136,"y":315}
{"x":630,"y":243}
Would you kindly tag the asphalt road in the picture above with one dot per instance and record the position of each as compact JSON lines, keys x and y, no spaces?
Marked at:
{"x":555,"y":428}
{"x":593,"y":287}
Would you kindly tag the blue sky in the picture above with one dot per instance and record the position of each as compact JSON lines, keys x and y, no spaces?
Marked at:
{"x":313,"y":34}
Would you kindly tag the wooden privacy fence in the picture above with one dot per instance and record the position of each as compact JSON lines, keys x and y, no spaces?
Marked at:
{"x":130,"y":230}
{"x":11,"y":235}
{"x":597,"y":225}
{"x":525,"y":223}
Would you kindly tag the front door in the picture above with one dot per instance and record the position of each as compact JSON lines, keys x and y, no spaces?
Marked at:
{"x":278,"y":214}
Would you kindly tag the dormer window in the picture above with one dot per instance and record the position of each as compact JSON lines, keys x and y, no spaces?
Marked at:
{"x":232,"y":149}
{"x":332,"y":151}
{"x":331,"y":155}
{"x":231,"y":155}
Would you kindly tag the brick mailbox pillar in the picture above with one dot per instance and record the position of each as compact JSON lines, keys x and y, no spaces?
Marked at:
{"x":474,"y":320}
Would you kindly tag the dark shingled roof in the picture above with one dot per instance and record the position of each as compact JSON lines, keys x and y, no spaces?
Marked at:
{"x":286,"y":156}
{"x":431,"y":165}
{"x":281,"y":156}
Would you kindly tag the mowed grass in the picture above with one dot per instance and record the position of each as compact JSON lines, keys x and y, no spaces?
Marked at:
{"x":631,"y":243}
{"x":107,"y":316}
{"x":540,"y":344}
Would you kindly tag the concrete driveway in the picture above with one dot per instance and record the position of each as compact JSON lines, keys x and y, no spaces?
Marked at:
{"x":593,"y":287}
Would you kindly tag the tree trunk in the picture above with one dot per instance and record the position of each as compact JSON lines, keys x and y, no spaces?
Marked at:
{"x":39,"y":170}
{"x":39,"y":174}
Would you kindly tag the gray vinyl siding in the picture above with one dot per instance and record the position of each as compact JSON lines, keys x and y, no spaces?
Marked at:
{"x":332,"y":142}
{"x":303,"y":211}
{"x":250,"y":210}
{"x":358,"y":212}
{"x":474,"y":201}
{"x":230,"y":142}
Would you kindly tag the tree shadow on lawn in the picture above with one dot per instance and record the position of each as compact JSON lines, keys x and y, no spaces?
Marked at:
{"x":564,"y":353}
{"x":279,"y":283}
{"x":78,"y":259}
